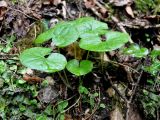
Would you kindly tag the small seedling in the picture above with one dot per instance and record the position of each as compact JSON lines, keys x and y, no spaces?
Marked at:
{"x":89,"y":31}
{"x":149,"y":100}
{"x":59,"y":110}
{"x":78,"y":69}
{"x":89,"y":34}
{"x":136,"y":51}
{"x":34,"y":58}
{"x":94,"y":41}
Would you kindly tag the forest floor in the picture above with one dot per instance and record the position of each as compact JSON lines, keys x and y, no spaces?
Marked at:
{"x":126,"y":87}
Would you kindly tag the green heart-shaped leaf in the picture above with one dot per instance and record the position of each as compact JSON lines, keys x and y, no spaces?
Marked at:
{"x":45,"y":36}
{"x":88,"y":24}
{"x":82,"y":68}
{"x":136,"y":51}
{"x":64,"y":34}
{"x":113,"y":40}
{"x":34,"y":58}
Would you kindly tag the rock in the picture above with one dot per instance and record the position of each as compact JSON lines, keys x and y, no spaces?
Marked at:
{"x":50,"y":80}
{"x":48,"y":94}
{"x":134,"y":114}
{"x":116,"y":114}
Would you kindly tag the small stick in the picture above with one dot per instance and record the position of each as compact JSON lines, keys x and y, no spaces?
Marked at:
{"x":131,"y":98}
{"x":72,"y":105}
{"x":127,"y":102}
{"x":114,"y":87}
{"x":120,"y":26}
{"x":110,"y":61}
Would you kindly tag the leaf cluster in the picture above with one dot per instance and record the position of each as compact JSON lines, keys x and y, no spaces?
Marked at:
{"x":91,"y":35}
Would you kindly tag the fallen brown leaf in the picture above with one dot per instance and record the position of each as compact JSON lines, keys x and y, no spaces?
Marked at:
{"x":68,"y":117}
{"x":3,"y":9}
{"x":32,"y":79}
{"x":129,"y":11}
{"x":89,"y":3}
{"x":56,"y":2}
{"x":3,"y":4}
{"x":116,"y":114}
{"x":97,"y":8}
{"x":120,"y":3}
{"x":48,"y":94}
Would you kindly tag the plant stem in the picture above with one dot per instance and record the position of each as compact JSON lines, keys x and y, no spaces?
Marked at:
{"x":12,"y":84}
{"x":75,"y":51}
{"x":64,"y":81}
{"x":58,"y":49}
{"x":87,"y":55}
{"x":80,"y":81}
{"x":72,"y":105}
{"x":66,"y":78}
{"x":102,"y":61}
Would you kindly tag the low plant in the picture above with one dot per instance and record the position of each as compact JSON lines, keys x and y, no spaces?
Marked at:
{"x":149,"y":98}
{"x":150,"y":103}
{"x":17,"y":97}
{"x":59,"y":109}
{"x":153,"y":64}
{"x":8,"y":45}
{"x":91,"y":35}
{"x":90,"y":98}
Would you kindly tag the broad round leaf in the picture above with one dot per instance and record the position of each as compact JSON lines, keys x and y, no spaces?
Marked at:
{"x":136,"y":51}
{"x":34,"y":58}
{"x":155,"y":53}
{"x":79,"y":68}
{"x":92,"y":41}
{"x":64,"y":34}
{"x":45,"y":36}
{"x":88,"y":24}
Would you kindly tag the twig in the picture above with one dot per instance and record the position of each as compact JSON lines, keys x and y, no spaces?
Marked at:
{"x":3,"y":54}
{"x":9,"y":59}
{"x":135,"y":87}
{"x":114,"y":87}
{"x":22,"y":13}
{"x":64,"y":81}
{"x":94,"y":10}
{"x":7,"y":56}
{"x":138,"y":27}
{"x":64,"y":9}
{"x":120,"y":26}
{"x":72,"y":105}
{"x":123,"y":65}
{"x":131,"y":98}
{"x":127,"y":102}
{"x":65,"y":100}
{"x":3,"y":40}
